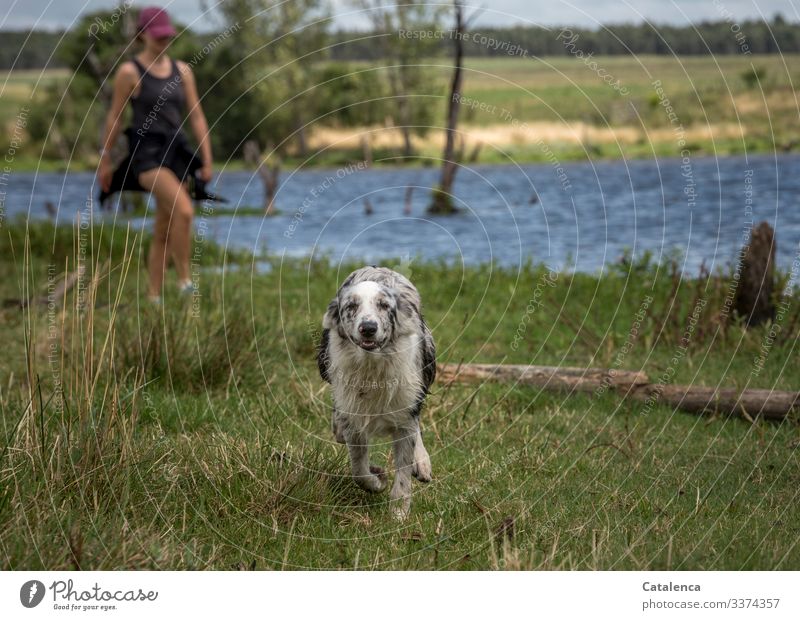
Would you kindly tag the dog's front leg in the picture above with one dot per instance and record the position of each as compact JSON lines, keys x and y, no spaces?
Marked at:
{"x":422,"y":462}
{"x":403,"y":448}
{"x":337,"y":426}
{"x":368,"y":477}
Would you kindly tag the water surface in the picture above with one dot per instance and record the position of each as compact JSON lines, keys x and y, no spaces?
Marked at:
{"x":583,"y":216}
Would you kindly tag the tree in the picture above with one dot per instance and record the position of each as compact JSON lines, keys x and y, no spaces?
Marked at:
{"x":303,"y":29}
{"x":442,"y":202}
{"x":273,"y":47}
{"x":268,"y":168}
{"x":348,"y":96}
{"x":398,"y":26}
{"x":69,"y":115}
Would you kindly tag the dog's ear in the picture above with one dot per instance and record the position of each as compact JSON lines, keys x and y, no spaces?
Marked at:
{"x":407,"y":312}
{"x":324,"y":356}
{"x":331,"y":318}
{"x":405,"y":305}
{"x":428,"y":356}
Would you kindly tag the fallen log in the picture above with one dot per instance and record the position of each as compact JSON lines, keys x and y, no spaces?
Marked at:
{"x":749,"y":403}
{"x":556,"y":377}
{"x":55,"y":295}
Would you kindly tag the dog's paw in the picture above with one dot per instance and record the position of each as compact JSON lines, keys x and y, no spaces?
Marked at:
{"x":380,"y":472}
{"x":401,"y":508}
{"x":400,"y":497}
{"x":374,"y":482}
{"x":400,"y":513}
{"x":422,"y":469}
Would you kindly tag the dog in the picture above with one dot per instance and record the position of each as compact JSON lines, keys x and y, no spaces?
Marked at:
{"x":379,"y":356}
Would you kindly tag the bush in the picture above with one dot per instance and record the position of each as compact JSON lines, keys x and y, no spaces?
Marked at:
{"x":754,"y":76}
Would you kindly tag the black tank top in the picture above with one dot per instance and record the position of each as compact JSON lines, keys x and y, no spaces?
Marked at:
{"x":158,"y":109}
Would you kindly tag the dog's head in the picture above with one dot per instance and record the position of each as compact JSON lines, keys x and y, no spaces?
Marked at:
{"x":368,"y":314}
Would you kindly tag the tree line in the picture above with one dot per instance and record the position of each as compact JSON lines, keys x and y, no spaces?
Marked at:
{"x":34,"y":49}
{"x":30,"y":49}
{"x":709,"y":37}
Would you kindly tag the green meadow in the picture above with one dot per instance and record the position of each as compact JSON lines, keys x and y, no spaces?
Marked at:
{"x":196,"y":434}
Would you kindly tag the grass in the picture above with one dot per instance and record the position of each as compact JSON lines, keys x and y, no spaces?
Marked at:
{"x":140,"y":208}
{"x":197,"y":435}
{"x":17,"y":87}
{"x":574,"y":91}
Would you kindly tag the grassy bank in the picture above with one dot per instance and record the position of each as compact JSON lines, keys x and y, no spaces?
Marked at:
{"x":723,"y":105}
{"x":197,"y":435}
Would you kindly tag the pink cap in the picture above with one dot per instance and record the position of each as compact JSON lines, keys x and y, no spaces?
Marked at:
{"x":155,"y":21}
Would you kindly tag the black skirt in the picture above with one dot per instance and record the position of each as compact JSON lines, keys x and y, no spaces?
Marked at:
{"x":154,"y":150}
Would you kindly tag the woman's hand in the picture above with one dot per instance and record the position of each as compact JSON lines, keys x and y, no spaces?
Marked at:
{"x":206,"y":172}
{"x":197,"y":120}
{"x":105,"y":172}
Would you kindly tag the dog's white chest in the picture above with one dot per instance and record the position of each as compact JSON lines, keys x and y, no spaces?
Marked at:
{"x":377,"y":392}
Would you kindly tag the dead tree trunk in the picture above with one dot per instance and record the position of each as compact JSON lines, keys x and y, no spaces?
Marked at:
{"x":754,"y":301}
{"x":302,"y":141}
{"x":408,"y":200}
{"x":398,"y":85}
{"x":442,"y":196}
{"x":749,"y":403}
{"x":366,"y":148}
{"x":475,"y":153}
{"x":269,"y":173}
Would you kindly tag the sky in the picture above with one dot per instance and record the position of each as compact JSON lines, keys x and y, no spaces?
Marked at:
{"x":57,"y":14}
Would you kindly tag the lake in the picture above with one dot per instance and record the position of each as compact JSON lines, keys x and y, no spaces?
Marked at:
{"x":580,"y":216}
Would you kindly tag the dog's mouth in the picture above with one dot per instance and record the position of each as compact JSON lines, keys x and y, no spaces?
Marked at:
{"x":368,"y":345}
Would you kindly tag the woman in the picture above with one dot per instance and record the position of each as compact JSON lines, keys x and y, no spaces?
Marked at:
{"x":160,"y":90}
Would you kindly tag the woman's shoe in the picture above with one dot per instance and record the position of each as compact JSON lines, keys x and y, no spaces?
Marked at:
{"x":186,"y":287}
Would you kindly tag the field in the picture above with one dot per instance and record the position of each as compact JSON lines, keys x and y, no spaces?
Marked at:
{"x":197,"y":434}
{"x":510,"y":104}
{"x":724,"y":105}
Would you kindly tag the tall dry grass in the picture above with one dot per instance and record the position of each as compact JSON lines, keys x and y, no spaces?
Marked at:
{"x":71,"y":443}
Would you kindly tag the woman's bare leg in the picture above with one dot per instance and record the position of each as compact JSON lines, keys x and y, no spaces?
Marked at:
{"x":173,"y":226}
{"x":157,"y":258}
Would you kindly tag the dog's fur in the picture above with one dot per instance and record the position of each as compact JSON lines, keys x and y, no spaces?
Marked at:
{"x":379,"y":357}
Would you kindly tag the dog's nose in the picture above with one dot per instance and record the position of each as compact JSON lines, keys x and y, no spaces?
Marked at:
{"x":368,"y":328}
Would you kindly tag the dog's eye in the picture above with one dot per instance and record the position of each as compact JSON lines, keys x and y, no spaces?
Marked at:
{"x":351,"y":306}
{"x":383,"y":305}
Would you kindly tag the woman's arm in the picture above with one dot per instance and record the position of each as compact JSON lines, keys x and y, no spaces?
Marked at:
{"x":124,"y":85}
{"x":197,"y":119}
